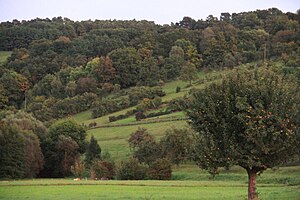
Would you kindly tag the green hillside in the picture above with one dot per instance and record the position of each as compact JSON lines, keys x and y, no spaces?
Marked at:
{"x":114,"y":139}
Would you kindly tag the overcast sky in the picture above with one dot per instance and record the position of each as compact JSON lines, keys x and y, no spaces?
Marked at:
{"x":160,"y":11}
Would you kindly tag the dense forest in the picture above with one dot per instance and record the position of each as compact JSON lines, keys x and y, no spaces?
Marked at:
{"x":59,"y":67}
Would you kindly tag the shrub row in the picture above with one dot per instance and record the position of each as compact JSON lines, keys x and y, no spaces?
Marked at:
{"x":104,"y":107}
{"x":140,"y":115}
{"x":136,"y":94}
{"x":147,"y":104}
{"x":160,"y":113}
{"x":141,"y":122}
{"x":116,"y":118}
{"x":122,"y":116}
{"x":133,"y":170}
{"x":178,"y":104}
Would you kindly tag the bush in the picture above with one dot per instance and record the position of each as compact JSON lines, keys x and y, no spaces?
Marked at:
{"x":178,"y":104}
{"x":160,"y":113}
{"x":92,"y":124}
{"x":116,"y":118}
{"x":177,"y":145}
{"x":78,"y":168}
{"x":160,"y":170}
{"x":148,"y":152}
{"x":102,"y":170}
{"x":73,"y":105}
{"x":138,"y":137}
{"x":178,"y":89}
{"x":101,"y":108}
{"x":147,"y":104}
{"x":138,"y":93}
{"x":139,"y":116}
{"x":131,"y":112}
{"x":132,"y":170}
{"x":112,"y":118}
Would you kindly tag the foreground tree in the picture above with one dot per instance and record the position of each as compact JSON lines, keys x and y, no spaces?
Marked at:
{"x":250,"y":119}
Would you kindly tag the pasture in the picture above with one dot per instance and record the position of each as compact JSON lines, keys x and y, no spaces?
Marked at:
{"x":69,"y":189}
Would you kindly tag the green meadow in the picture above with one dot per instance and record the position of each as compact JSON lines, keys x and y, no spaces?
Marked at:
{"x":231,"y":184}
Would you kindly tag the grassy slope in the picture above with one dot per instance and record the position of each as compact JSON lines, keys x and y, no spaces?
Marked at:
{"x":4,"y":55}
{"x":114,"y":139}
{"x":169,"y":88}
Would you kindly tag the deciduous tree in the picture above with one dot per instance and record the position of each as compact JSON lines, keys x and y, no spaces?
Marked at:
{"x":177,"y":144}
{"x":188,"y":73}
{"x":250,"y":119}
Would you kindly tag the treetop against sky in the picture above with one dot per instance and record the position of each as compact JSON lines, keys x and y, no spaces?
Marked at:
{"x":161,"y":12}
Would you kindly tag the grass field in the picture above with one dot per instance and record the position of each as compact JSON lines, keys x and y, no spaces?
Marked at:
{"x":142,"y":192}
{"x":69,"y":189}
{"x":279,"y":184}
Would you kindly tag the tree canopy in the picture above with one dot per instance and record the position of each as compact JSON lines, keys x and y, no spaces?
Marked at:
{"x":62,"y":60}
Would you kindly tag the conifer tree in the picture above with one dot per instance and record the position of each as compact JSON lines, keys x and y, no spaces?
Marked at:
{"x":93,"y":151}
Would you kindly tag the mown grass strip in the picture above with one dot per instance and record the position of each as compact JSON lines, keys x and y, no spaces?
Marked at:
{"x":141,"y":122}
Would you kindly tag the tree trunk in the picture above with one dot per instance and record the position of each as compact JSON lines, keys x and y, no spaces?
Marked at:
{"x":252,"y":195}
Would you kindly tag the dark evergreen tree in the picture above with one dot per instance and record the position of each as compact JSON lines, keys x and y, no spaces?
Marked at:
{"x":12,"y":154}
{"x":93,"y":152}
{"x":20,"y":152}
